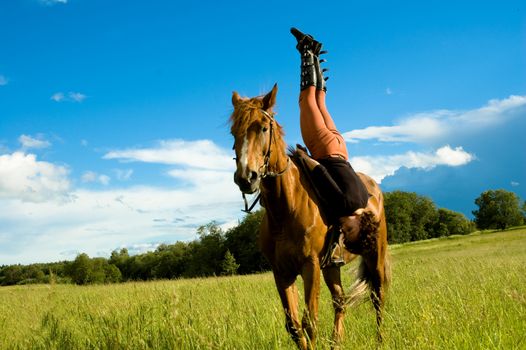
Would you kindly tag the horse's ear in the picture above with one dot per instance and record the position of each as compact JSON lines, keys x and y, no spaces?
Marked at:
{"x":270,"y":99}
{"x":235,"y":98}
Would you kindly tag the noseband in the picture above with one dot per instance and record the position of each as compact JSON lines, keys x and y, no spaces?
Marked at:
{"x":264,"y":169}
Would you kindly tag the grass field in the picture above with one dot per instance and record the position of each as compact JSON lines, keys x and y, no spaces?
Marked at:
{"x":457,"y":293}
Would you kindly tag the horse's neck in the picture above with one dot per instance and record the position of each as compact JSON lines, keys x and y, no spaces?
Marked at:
{"x":279,"y":192}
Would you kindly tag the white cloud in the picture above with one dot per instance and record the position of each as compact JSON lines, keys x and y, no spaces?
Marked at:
{"x":388,"y":91}
{"x":77,"y":96}
{"x":69,"y":97}
{"x":140,"y":248}
{"x":57,"y":97}
{"x":123,"y":174}
{"x":415,"y":129}
{"x":23,"y":177}
{"x":30,"y":142}
{"x":378,"y":167}
{"x":515,"y":183}
{"x":53,"y":2}
{"x":201,"y":177}
{"x":100,"y":221}
{"x":451,"y":157}
{"x":91,"y":176}
{"x":104,"y":179}
{"x":436,"y":125}
{"x":95,"y":221}
{"x":3,"y":80}
{"x":201,"y":154}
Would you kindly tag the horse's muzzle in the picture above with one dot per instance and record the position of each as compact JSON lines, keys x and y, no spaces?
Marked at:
{"x":248,"y":183}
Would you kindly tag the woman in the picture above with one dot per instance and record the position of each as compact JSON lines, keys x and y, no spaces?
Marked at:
{"x":326,"y":144}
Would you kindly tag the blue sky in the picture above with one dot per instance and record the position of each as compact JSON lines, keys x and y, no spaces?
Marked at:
{"x":113,"y":114}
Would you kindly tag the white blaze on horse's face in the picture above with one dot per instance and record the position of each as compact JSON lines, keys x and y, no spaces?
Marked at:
{"x":243,"y":157}
{"x":250,"y":158}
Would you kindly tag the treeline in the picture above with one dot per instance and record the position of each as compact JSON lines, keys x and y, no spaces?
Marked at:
{"x":214,"y":252}
{"x":410,"y":217}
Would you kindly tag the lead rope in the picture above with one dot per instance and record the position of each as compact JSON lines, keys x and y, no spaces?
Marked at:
{"x":248,"y":209}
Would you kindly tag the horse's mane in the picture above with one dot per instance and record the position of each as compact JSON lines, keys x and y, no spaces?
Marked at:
{"x":246,"y":112}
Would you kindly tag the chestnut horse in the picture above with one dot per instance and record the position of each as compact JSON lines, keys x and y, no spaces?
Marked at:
{"x":292,"y":233}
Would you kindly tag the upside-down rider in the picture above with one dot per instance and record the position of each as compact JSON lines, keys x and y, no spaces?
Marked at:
{"x":342,"y":192}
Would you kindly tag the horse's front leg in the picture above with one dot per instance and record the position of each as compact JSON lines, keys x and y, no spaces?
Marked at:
{"x":311,"y":282}
{"x":288,"y":293}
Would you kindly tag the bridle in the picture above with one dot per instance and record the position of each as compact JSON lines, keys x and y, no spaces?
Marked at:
{"x":266,"y":173}
{"x":264,"y":169}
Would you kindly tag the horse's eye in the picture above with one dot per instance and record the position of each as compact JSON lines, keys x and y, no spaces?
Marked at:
{"x":264,"y":129}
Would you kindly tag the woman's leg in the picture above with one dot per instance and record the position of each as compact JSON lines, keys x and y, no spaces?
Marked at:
{"x":311,"y":118}
{"x":320,"y":101}
{"x":317,"y":137}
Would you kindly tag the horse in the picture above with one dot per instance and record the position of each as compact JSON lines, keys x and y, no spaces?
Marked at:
{"x":293,"y":232}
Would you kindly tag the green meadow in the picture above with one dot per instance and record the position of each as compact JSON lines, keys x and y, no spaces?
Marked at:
{"x":461,"y":292}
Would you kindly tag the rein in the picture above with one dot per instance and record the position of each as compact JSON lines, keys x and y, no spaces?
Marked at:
{"x":264,"y":172}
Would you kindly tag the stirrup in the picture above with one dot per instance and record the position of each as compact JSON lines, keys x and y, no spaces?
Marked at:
{"x":337,"y":255}
{"x":333,"y":256}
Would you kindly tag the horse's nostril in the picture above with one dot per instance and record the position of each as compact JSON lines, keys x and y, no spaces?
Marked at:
{"x":253,"y":176}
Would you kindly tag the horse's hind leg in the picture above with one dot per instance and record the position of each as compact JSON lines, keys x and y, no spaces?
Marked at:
{"x":288,"y":293}
{"x":375,"y":278}
{"x":333,"y":280}
{"x":376,"y":266}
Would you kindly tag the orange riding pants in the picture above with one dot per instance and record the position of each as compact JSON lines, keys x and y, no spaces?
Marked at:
{"x":317,"y":127}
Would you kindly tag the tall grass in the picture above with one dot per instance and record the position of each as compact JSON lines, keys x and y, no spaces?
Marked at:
{"x":457,"y":293}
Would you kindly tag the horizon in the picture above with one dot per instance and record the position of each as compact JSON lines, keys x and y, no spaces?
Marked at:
{"x":113,"y":119}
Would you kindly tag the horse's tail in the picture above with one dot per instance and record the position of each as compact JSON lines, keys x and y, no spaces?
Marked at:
{"x":387,"y":271}
{"x":365,"y":279}
{"x":359,"y":288}
{"x":374,"y":271}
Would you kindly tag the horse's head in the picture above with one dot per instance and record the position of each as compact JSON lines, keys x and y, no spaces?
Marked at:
{"x":253,"y":127}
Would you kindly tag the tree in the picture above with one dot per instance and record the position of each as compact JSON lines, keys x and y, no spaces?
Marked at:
{"x":111,"y":273}
{"x":80,"y":269}
{"x":410,"y":217}
{"x":498,"y":209}
{"x":121,"y":259}
{"x":172,"y":260}
{"x":398,"y":214}
{"x":11,"y":275}
{"x":206,"y":253}
{"x":452,"y":223}
{"x":142,"y":266}
{"x":424,"y":217}
{"x":229,"y":265}
{"x":242,"y":242}
{"x":32,"y":274}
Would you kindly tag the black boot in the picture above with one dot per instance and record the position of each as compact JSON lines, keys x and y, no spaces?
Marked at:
{"x":306,"y":45}
{"x":306,"y":42}
{"x":320,"y":79}
{"x":309,"y":75}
